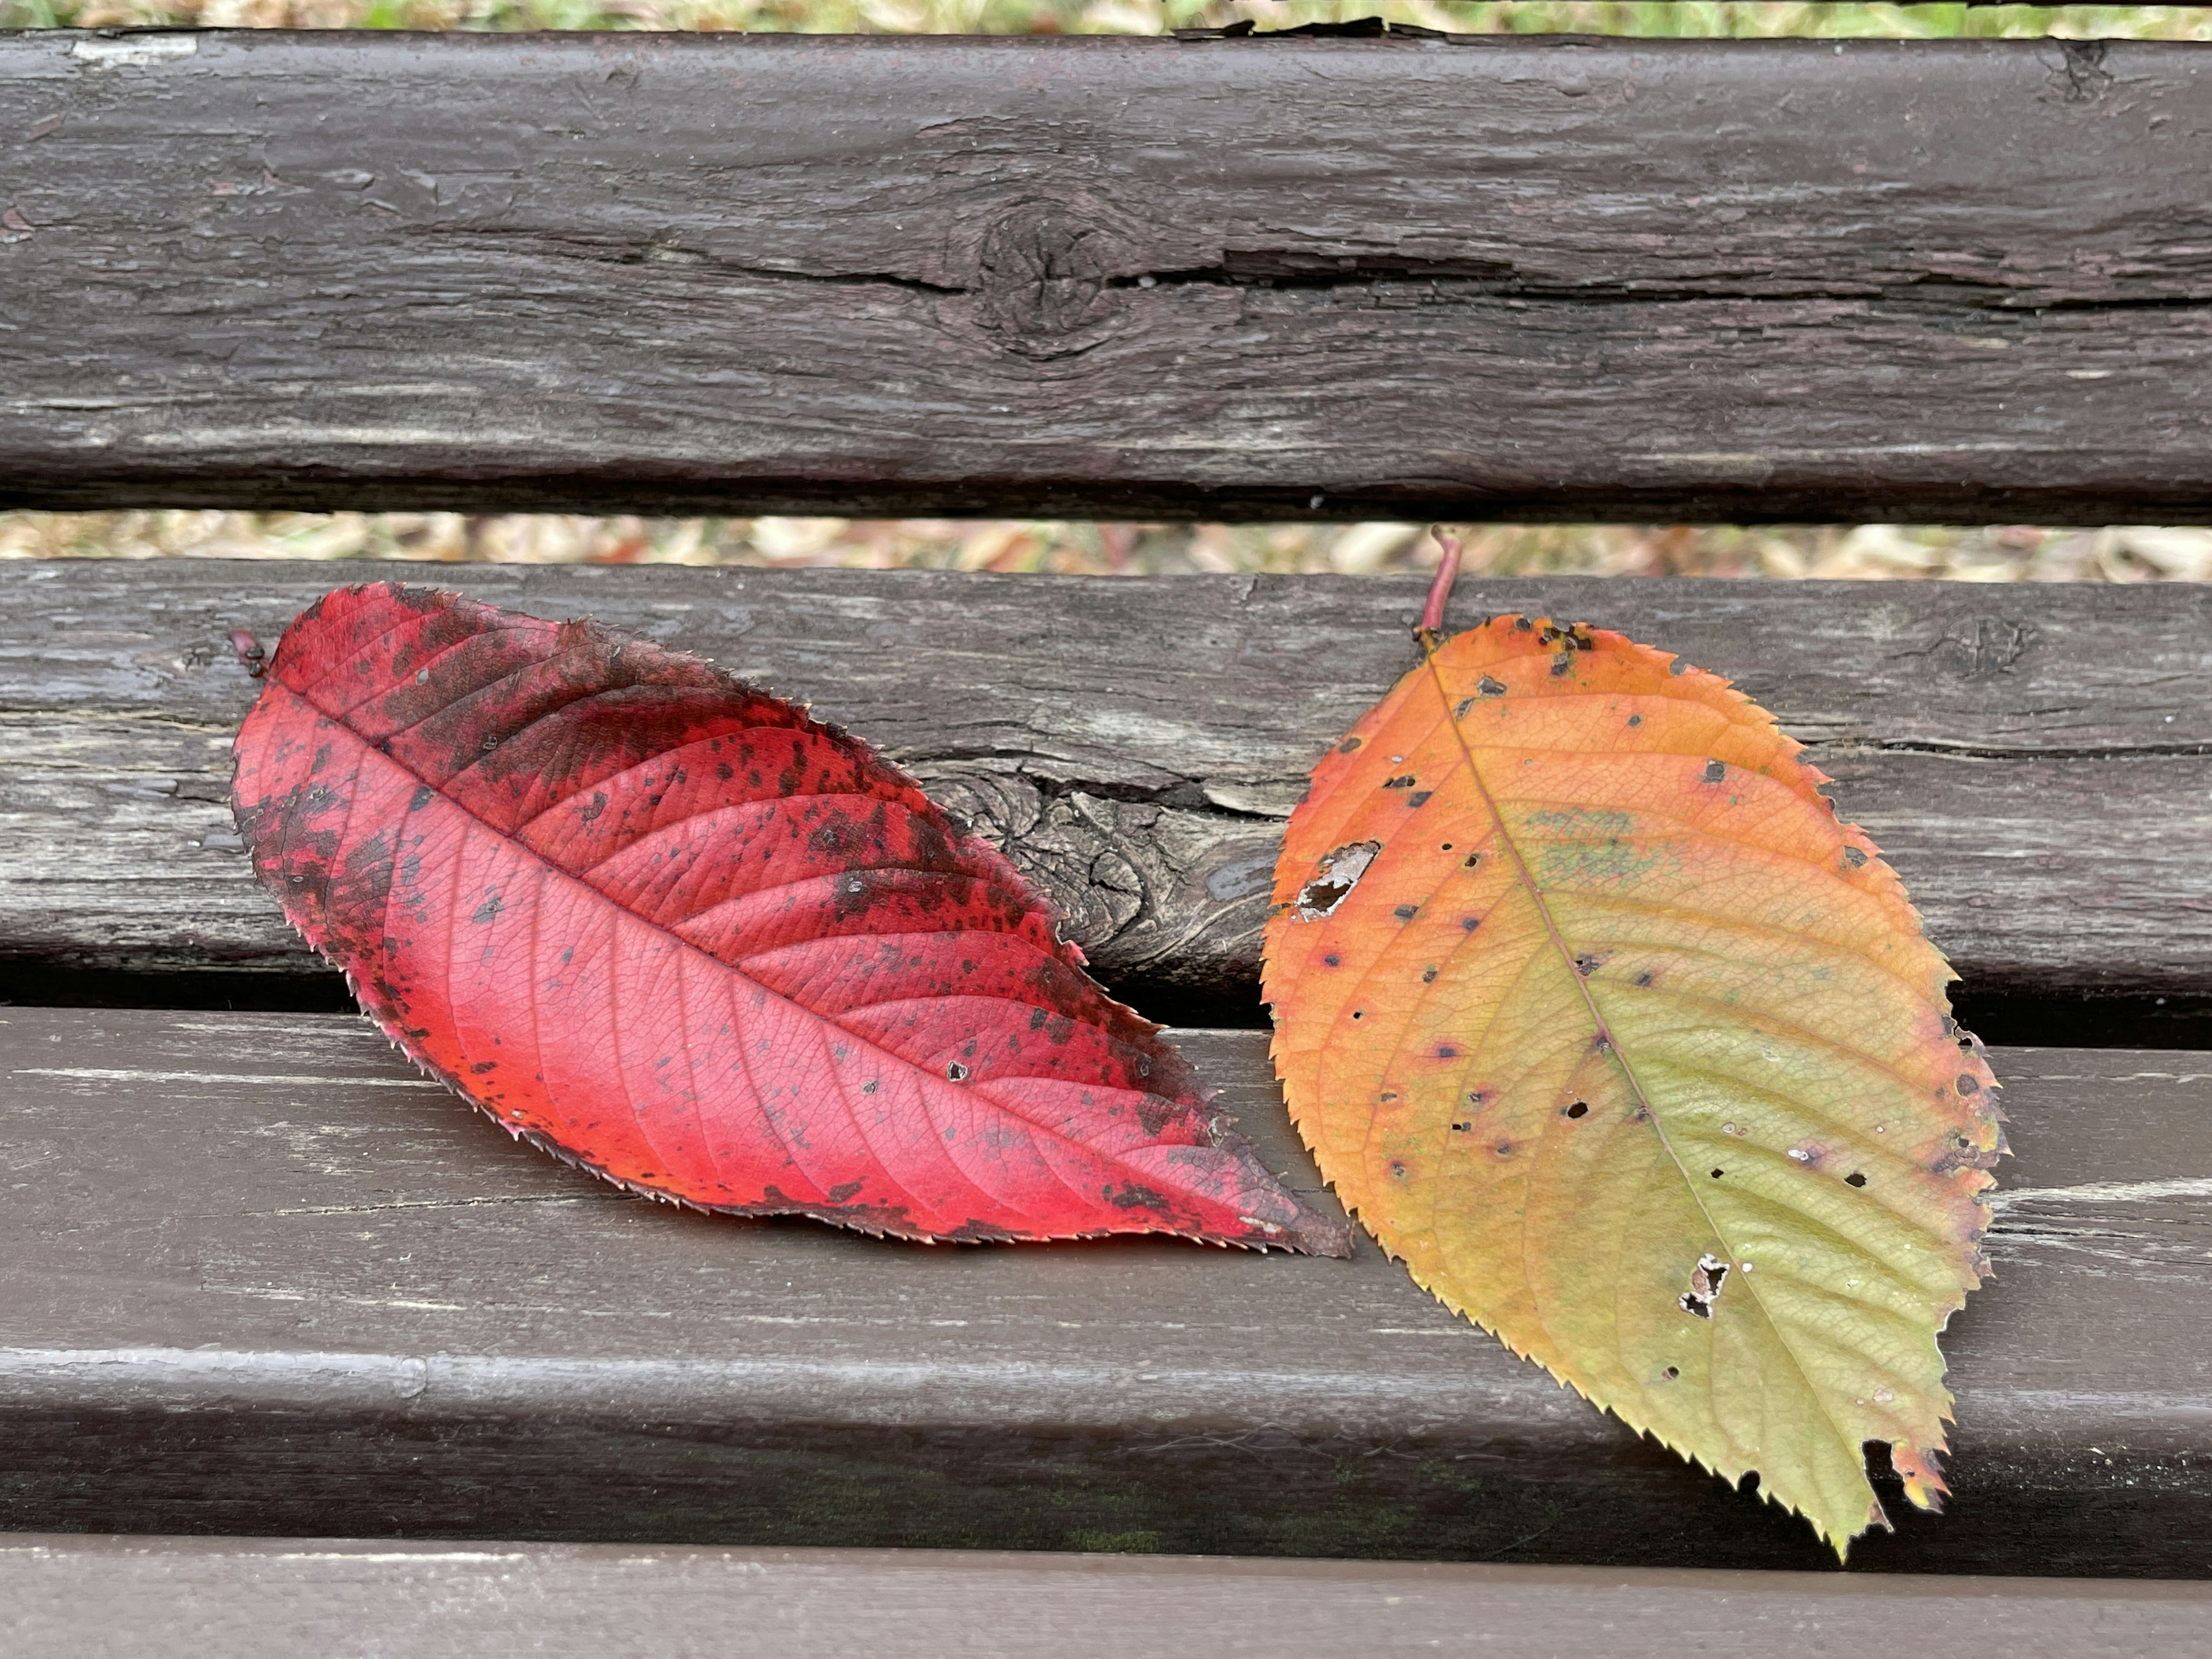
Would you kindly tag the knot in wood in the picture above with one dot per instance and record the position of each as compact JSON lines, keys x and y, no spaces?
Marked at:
{"x":1982,"y":647}
{"x":1043,"y":278}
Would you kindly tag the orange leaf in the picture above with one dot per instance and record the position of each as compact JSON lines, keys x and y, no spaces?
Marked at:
{"x":1595,"y":1015}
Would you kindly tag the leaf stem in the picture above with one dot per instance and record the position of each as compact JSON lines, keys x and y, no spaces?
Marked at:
{"x":1432,"y":614}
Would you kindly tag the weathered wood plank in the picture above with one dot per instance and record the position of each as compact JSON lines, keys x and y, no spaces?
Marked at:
{"x":262,"y":1278}
{"x":1473,"y":277}
{"x":2038,"y":760}
{"x":170,"y":1598}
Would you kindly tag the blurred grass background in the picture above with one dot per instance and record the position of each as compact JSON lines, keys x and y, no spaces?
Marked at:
{"x":1999,"y":553}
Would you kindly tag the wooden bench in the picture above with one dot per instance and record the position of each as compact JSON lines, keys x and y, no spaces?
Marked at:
{"x":262,"y":1280}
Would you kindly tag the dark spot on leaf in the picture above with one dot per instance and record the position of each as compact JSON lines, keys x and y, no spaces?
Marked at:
{"x":843,"y":1190}
{"x":1136,"y":1197}
{"x":490,"y":908}
{"x":1333,"y":960}
{"x":1562,"y":664}
{"x":1586,"y":966}
{"x":1406,"y":912}
{"x":1404,"y":781}
{"x":1419,"y":798}
{"x":1348,"y":745}
{"x":1462,"y":1128}
{"x":1636,"y":720}
{"x":1468,"y":924}
{"x":1397,"y":1170}
{"x":1504,"y":1149}
{"x":1428,"y":977}
{"x":1445,"y":1051}
{"x":1643,"y":978}
{"x":1968,"y":1085}
{"x":869,"y":1087}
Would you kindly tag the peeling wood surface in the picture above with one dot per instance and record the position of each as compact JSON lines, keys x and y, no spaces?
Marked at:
{"x":89,"y":1598}
{"x":1473,"y":277}
{"x":263,"y":1278}
{"x":2037,"y":760}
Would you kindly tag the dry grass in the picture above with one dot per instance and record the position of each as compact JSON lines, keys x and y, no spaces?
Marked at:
{"x":1636,"y":17}
{"x":2012,"y":553}
{"x":2008,"y":553}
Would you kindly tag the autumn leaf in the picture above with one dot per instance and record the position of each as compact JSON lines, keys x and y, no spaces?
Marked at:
{"x":1591,"y":1009}
{"x":668,"y":927}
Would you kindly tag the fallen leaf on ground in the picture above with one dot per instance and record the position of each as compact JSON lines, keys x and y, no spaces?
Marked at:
{"x":1595,"y":1013}
{"x":670,"y":928}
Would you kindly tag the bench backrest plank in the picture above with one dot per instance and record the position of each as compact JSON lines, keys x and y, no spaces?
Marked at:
{"x":1469,"y":276}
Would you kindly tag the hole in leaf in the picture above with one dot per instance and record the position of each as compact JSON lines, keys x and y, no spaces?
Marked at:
{"x":1340,"y":872}
{"x":1854,"y":1179}
{"x":1580,"y":1108}
{"x":957,"y":1072}
{"x":1705,"y":1281}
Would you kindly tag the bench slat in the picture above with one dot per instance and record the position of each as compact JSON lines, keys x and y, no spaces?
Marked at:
{"x":1475,"y":277}
{"x":89,"y":1598}
{"x":2037,"y":760}
{"x":263,"y":1277}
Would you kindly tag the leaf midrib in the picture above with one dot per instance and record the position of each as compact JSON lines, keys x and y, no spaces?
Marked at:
{"x":1567,"y":957}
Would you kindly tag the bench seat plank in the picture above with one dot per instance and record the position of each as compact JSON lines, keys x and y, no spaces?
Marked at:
{"x":263,"y":1278}
{"x":1492,"y":277}
{"x":91,"y":1598}
{"x":2036,"y":759}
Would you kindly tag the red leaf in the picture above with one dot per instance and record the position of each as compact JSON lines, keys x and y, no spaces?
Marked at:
{"x":666,"y":926}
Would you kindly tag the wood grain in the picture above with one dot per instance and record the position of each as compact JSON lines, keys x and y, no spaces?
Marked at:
{"x":107,"y":1598}
{"x":263,"y":1278}
{"x":2037,"y":760}
{"x":1448,"y":276}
